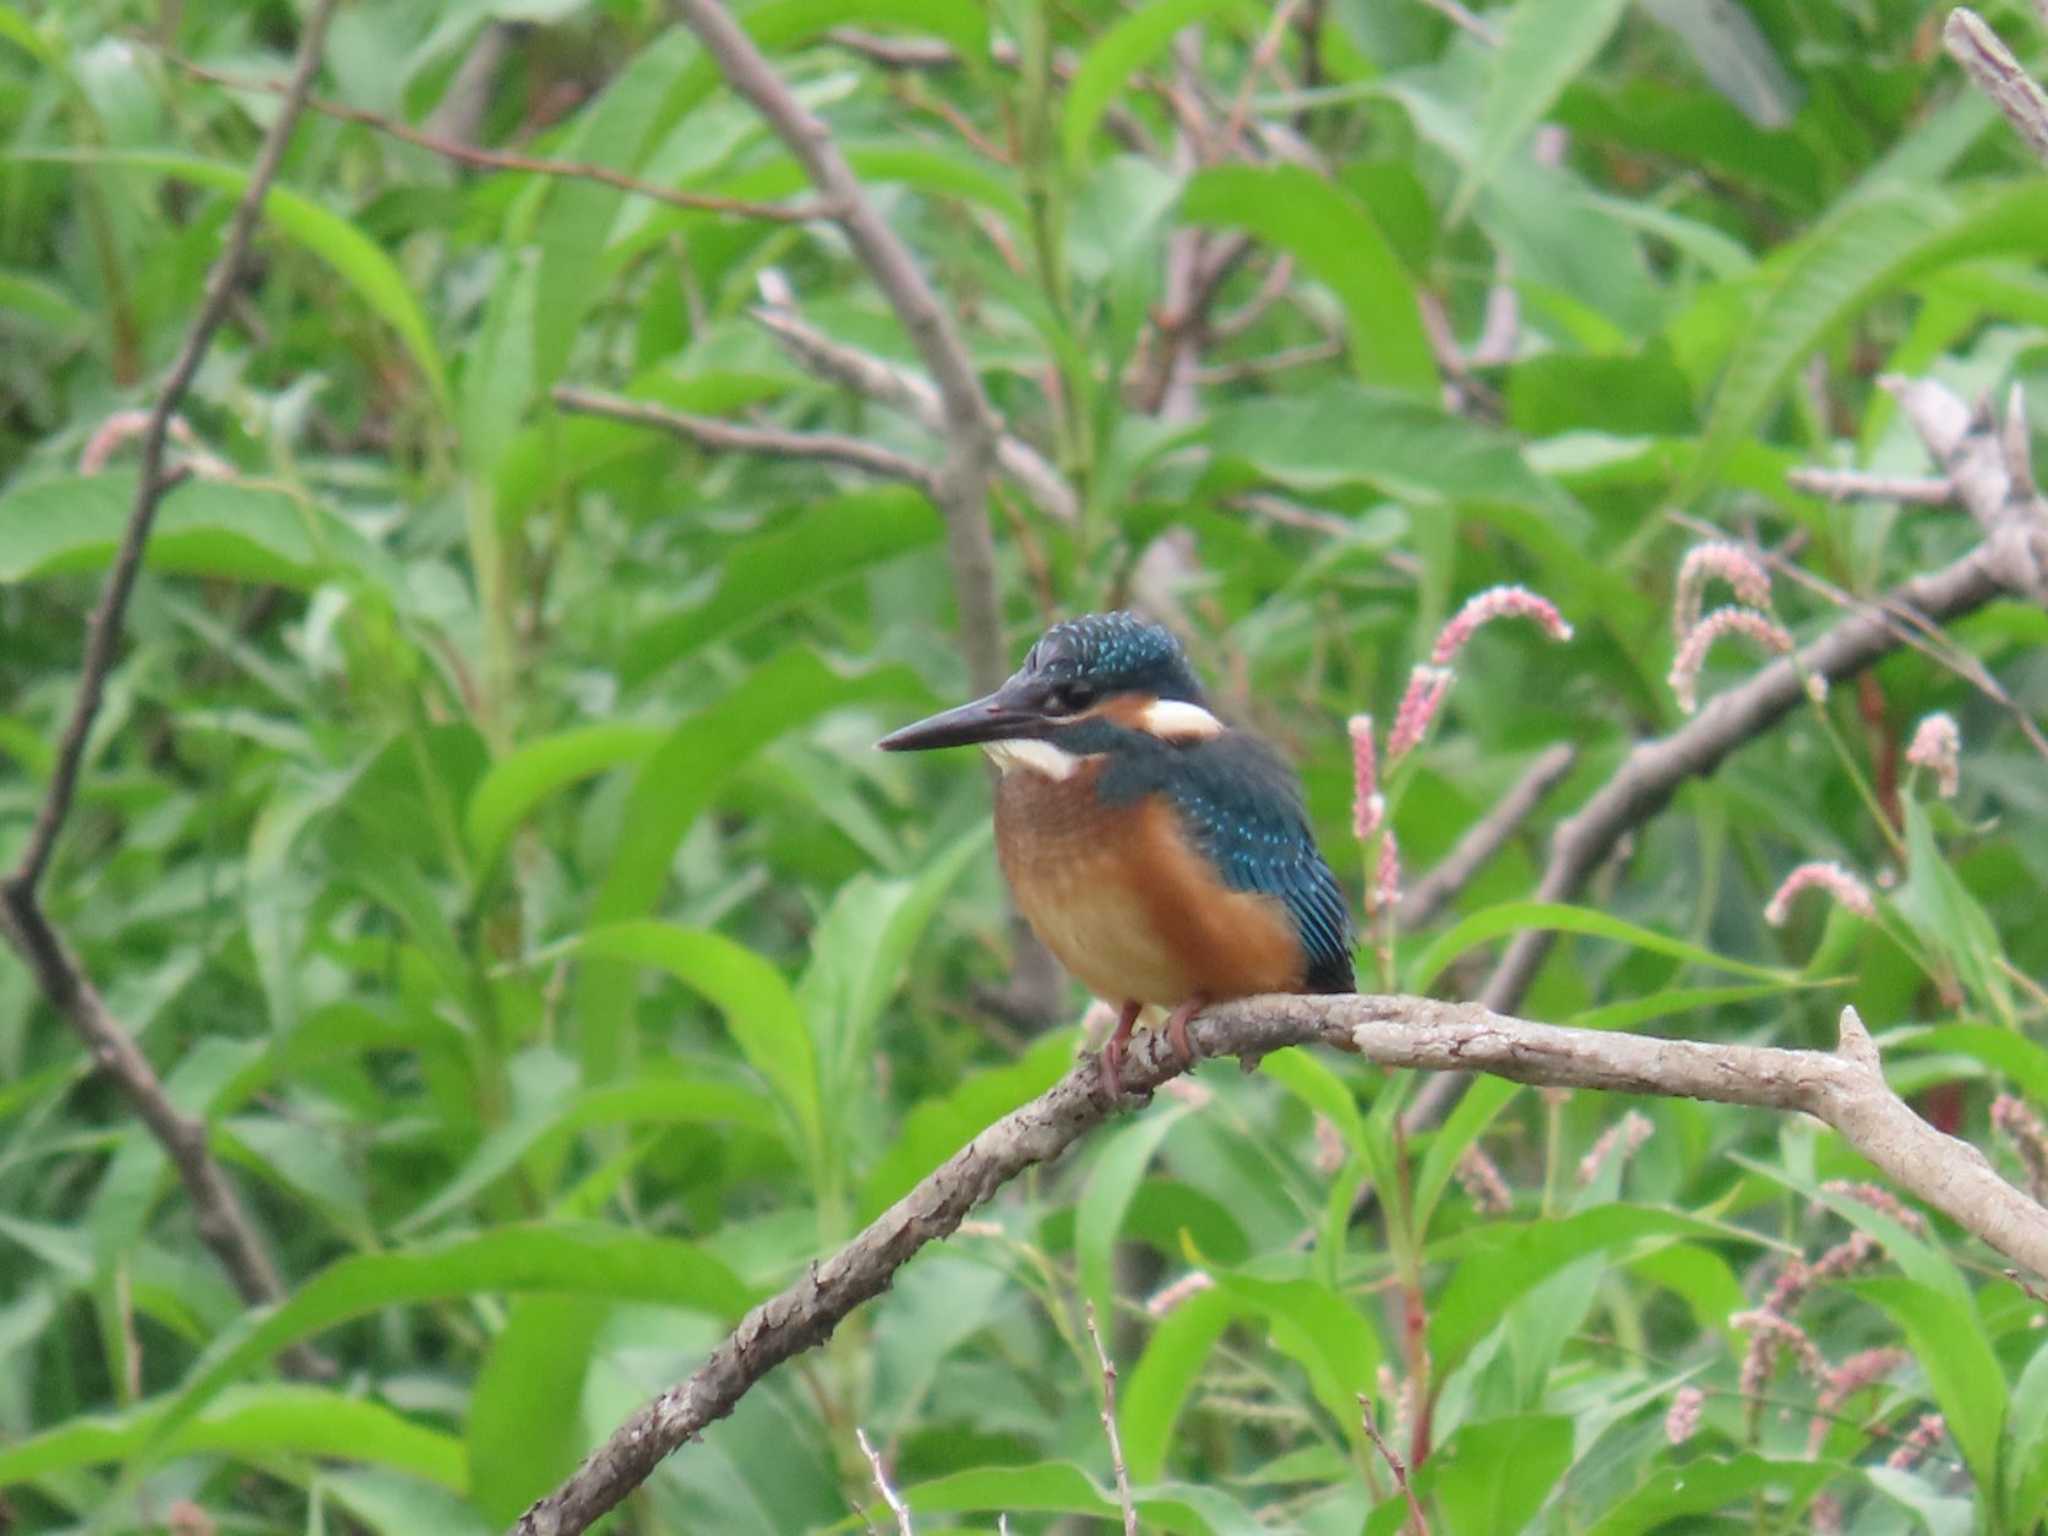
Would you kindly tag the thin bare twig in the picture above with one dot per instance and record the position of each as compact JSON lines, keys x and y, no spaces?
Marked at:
{"x":1857,"y":484}
{"x":1463,"y":19}
{"x":222,"y":1224}
{"x":721,"y":436}
{"x":1998,"y":75}
{"x":1116,"y":1444}
{"x":890,"y":1496}
{"x":505,"y":160}
{"x":1844,"y":1087}
{"x":884,"y":382}
{"x":972,"y":431}
{"x":1483,"y":839}
{"x":1306,"y":355}
{"x":1418,"y":1523}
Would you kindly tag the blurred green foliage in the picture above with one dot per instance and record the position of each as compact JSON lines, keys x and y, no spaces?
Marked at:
{"x":482,"y":831}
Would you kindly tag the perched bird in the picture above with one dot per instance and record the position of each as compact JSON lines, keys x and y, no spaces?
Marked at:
{"x":1163,"y":857}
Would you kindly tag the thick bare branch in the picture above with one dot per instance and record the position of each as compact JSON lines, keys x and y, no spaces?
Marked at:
{"x":972,"y":431}
{"x":1988,"y":62}
{"x":1844,"y":1088}
{"x":722,"y":436}
{"x":222,"y":1224}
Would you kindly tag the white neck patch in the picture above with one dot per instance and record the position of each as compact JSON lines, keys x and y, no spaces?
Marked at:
{"x":1029,"y":756}
{"x":1178,"y":720}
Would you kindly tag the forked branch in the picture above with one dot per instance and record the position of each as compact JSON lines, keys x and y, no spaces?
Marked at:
{"x":1844,"y":1088}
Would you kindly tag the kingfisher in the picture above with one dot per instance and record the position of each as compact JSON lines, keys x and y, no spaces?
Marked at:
{"x":1165,"y":859}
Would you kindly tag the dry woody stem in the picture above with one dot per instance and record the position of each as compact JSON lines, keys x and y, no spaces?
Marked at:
{"x":223,"y":1225}
{"x":720,"y":436}
{"x":1116,"y":1444}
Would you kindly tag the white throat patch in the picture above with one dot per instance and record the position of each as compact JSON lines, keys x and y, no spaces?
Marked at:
{"x":1178,"y":720}
{"x":1029,"y":756}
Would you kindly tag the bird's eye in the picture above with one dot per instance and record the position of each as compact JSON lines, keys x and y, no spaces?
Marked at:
{"x":1071,"y":698}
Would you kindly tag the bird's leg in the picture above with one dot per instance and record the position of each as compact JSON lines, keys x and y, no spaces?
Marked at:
{"x":1113,"y":1048}
{"x":1177,"y":1028}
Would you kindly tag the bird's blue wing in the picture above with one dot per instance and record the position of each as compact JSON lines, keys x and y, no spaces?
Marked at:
{"x":1242,"y":807}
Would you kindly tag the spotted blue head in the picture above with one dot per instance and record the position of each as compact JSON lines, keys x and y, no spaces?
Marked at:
{"x":1083,"y":676}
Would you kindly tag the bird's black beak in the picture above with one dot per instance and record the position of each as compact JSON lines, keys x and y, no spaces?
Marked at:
{"x":1015,"y":709}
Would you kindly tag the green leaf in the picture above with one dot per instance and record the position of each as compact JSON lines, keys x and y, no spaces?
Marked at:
{"x":1154,"y":1392}
{"x":1947,"y":916}
{"x":1514,"y":916}
{"x":1874,"y":245}
{"x":1669,"y":1000}
{"x":1545,"y":46}
{"x":768,"y":574}
{"x":1516,"y":1258}
{"x":203,"y":528}
{"x":658,"y":1100}
{"x":1706,"y":1484}
{"x":1336,"y":240}
{"x":675,"y":783}
{"x":615,"y":131}
{"x":2026,"y":1448}
{"x":526,"y":1410}
{"x":251,"y":1424}
{"x":1319,"y":1327}
{"x":1061,"y":1487}
{"x":1114,"y":57}
{"x":574,"y":1260}
{"x":1493,"y":1477}
{"x":1099,"y":1217}
{"x":2004,"y":1050}
{"x":1477,"y":1108}
{"x":1948,"y":1342}
{"x":353,"y":256}
{"x":517,"y":782}
{"x":941,"y":1126}
{"x":760,"y":1008}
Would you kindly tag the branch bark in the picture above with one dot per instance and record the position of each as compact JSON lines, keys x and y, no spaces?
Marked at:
{"x":223,"y":1225}
{"x":972,"y":431}
{"x":722,"y":436}
{"x":1844,"y":1088}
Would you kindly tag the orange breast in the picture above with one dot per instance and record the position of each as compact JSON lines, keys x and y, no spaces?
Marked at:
{"x":1123,"y":902}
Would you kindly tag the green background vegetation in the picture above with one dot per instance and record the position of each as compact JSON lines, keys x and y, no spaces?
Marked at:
{"x":483,"y":830}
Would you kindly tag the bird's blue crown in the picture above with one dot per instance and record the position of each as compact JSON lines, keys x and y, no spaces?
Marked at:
{"x":1117,"y":653}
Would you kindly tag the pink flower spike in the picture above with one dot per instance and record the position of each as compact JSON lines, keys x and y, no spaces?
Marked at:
{"x":1497,"y":603}
{"x":1193,"y":1283}
{"x":1909,"y":1452}
{"x":1368,"y":805}
{"x":1832,"y":878}
{"x":1683,"y":1420}
{"x":1732,"y":564}
{"x":1387,"y":879}
{"x":1938,"y":747}
{"x":1425,"y":694}
{"x":1692,"y":650}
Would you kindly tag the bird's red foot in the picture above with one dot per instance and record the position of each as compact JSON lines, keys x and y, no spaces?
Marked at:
{"x":1177,"y":1028}
{"x":1113,"y":1050}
